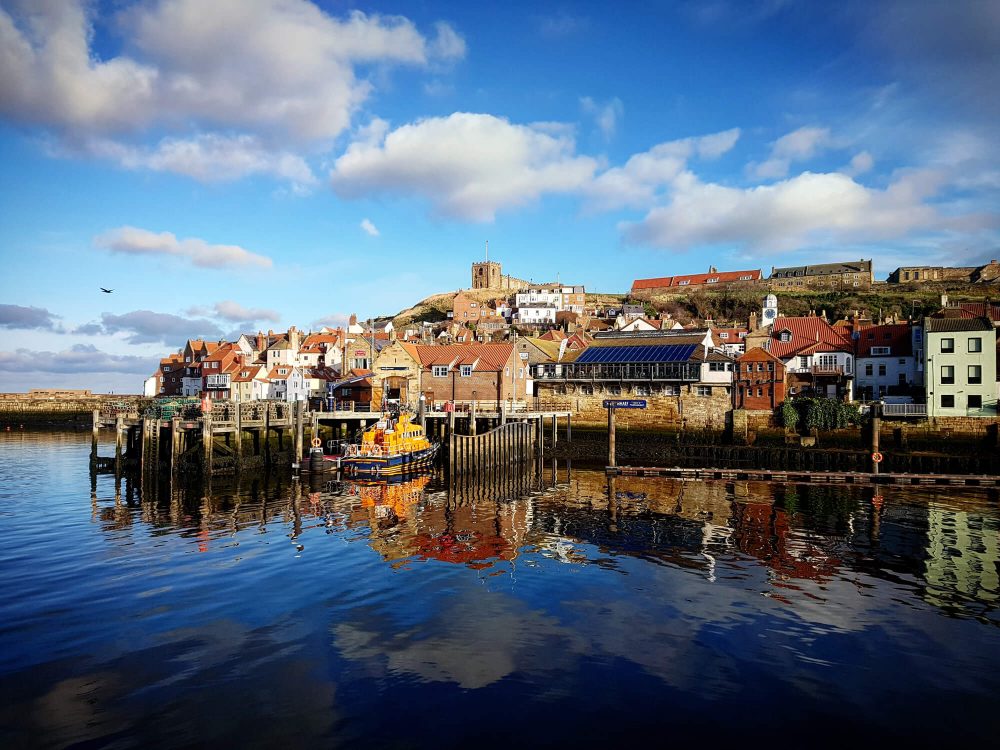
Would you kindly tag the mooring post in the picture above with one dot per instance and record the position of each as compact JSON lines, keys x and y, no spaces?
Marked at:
{"x":206,"y":442}
{"x":298,"y":417}
{"x":555,"y":426}
{"x":95,"y":429}
{"x":503,"y":412}
{"x":175,"y":444}
{"x":422,"y":412}
{"x":239,"y":433}
{"x":472,"y":418}
{"x":143,"y":439}
{"x":451,"y":459}
{"x":569,"y":428}
{"x":611,"y":436}
{"x":876,"y":427}
{"x":541,"y":441}
{"x":451,"y":422}
{"x":119,"y":441}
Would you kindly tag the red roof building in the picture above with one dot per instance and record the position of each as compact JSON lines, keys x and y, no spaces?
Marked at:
{"x":760,"y":380}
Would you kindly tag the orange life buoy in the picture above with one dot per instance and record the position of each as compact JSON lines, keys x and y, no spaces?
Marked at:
{"x":316,"y":442}
{"x":877,"y":457}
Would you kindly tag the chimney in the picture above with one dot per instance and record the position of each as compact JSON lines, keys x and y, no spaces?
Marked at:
{"x":823,"y":314}
{"x":293,"y":338}
{"x":270,"y":332}
{"x":354,"y":320}
{"x":944,"y":300}
{"x":711,"y":269}
{"x":752,"y":322}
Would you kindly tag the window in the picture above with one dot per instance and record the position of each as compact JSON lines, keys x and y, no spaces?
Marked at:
{"x":785,"y":336}
{"x":683,"y":283}
{"x":947,"y":346}
{"x":724,"y":335}
{"x":716,"y":366}
{"x":770,"y":366}
{"x":704,"y":390}
{"x":881,"y":371}
{"x":902,"y":361}
{"x":947,"y":401}
{"x":975,"y":374}
{"x":520,"y":372}
{"x":869,"y":370}
{"x":877,"y":350}
{"x":947,"y":375}
{"x":760,"y":367}
{"x":440,"y":371}
{"x":712,"y":281}
{"x":803,"y":362}
{"x":975,"y":345}
{"x":506,"y":372}
{"x":671,"y":390}
{"x":760,"y":391}
{"x":975,"y":402}
{"x":466,"y":371}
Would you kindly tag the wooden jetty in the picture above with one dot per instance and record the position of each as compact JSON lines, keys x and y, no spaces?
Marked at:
{"x":808,"y":477}
{"x":229,"y":435}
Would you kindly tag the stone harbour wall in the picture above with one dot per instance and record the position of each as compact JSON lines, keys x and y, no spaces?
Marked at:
{"x":686,"y":411}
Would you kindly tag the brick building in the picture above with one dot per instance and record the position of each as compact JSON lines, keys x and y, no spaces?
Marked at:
{"x":854,"y":275}
{"x":760,"y":380}
{"x":467,"y":372}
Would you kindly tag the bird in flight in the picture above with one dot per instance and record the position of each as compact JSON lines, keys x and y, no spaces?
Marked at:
{"x":106,"y":291}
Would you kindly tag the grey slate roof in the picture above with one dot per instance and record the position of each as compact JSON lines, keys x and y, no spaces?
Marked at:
{"x":957,"y":325}
{"x":822,"y":269}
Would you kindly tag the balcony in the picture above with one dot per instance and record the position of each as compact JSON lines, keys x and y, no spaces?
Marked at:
{"x":838,"y":370}
{"x":904,"y":410}
{"x":651,"y":371}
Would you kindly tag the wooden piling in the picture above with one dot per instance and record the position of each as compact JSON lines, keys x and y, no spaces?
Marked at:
{"x":611,"y":437}
{"x":472,"y":418}
{"x":176,"y":438}
{"x":555,"y":427}
{"x":94,"y":434}
{"x":206,"y":441}
{"x":120,"y":435}
{"x":876,"y":427}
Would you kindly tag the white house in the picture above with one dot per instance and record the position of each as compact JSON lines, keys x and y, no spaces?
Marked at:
{"x":886,"y":363}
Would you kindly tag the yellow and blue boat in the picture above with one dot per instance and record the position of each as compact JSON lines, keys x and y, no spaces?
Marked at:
{"x":393,"y":446}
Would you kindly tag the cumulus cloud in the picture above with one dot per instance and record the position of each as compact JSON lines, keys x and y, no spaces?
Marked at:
{"x":333,"y":320}
{"x":16,"y":316}
{"x":207,"y":158}
{"x":237,"y":313}
{"x":806,"y":208}
{"x":133,"y":241}
{"x":280,"y":70}
{"x":798,"y":145}
{"x":370,"y":229}
{"x":606,"y":116}
{"x":79,"y":358}
{"x":644,"y":175}
{"x":146,"y":326}
{"x":468,"y":165}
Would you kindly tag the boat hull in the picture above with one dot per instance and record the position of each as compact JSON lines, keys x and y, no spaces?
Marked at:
{"x":387,"y":466}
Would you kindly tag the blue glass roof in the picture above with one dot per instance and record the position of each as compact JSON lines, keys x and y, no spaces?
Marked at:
{"x":627,"y":354}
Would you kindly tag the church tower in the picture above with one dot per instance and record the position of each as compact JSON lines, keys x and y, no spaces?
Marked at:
{"x":486,"y":275}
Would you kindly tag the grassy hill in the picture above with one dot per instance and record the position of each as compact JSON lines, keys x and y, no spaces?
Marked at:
{"x":734,"y":304}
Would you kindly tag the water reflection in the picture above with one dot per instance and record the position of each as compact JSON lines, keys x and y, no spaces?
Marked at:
{"x":942,"y":546}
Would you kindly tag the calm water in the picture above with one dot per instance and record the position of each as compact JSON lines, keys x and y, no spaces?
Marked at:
{"x":267,"y":613}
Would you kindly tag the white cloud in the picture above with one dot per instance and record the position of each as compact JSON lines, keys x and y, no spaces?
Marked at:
{"x":860,"y":163}
{"x":644,"y":175}
{"x":606,"y":115}
{"x":798,"y":145}
{"x":209,"y":158}
{"x":17,"y":316}
{"x":468,"y":165}
{"x":803,"y":209}
{"x":133,"y":241}
{"x":237,"y":313}
{"x":282,"y":71}
{"x":369,"y":228}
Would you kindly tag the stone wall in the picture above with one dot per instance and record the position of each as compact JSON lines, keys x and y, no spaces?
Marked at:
{"x":688,"y":410}
{"x":22,"y":408}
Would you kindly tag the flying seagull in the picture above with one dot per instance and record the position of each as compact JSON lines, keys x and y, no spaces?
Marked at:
{"x":106,"y":291}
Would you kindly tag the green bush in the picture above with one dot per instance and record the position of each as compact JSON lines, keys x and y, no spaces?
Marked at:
{"x":820,"y":413}
{"x":788,"y":415}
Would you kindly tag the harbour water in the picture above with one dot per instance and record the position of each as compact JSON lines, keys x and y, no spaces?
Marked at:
{"x":575,"y":611}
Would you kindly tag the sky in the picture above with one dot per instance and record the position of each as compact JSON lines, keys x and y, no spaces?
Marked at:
{"x":238,"y":165}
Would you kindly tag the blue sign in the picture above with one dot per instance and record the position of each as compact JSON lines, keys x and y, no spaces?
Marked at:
{"x":625,"y":403}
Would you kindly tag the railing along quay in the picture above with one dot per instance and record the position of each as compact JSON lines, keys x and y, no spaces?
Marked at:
{"x":806,"y":477}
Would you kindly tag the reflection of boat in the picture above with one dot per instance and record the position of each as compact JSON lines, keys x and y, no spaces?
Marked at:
{"x":397,"y":497}
{"x":391,"y":446}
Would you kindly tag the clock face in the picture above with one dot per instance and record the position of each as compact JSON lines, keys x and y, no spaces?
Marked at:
{"x":769,"y":313}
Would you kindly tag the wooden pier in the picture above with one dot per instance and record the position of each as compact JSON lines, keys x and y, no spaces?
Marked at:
{"x":808,"y":477}
{"x":234,"y":435}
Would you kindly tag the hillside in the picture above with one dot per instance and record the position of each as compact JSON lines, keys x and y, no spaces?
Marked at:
{"x":735,"y":304}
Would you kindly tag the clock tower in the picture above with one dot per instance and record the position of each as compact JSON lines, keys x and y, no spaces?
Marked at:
{"x":770,"y":311}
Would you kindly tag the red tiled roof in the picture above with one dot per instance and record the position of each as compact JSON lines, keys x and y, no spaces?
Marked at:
{"x":758,"y":355}
{"x":662,"y":282}
{"x":722,"y":277}
{"x":491,"y":357}
{"x":806,"y":333}
{"x":251,"y":374}
{"x":896,"y":336}
{"x":972,"y":310}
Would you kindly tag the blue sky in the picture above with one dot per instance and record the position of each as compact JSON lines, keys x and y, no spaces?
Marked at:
{"x":246,"y":164}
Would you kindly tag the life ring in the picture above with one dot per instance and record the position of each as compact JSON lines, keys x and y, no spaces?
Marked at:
{"x":317,"y":443}
{"x":876,"y":457}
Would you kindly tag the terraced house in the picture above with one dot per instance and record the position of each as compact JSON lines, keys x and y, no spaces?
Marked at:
{"x":960,"y":368}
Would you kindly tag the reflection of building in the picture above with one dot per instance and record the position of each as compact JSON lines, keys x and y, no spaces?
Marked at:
{"x":963,"y":557}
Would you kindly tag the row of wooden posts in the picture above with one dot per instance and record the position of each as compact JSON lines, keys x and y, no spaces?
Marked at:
{"x":139,"y":440}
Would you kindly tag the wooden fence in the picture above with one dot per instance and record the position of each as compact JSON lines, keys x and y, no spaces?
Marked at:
{"x":509,"y":444}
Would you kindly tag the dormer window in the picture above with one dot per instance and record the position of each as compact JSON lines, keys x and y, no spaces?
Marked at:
{"x":282,"y":371}
{"x":440,"y":371}
{"x":785,"y":336}
{"x":724,"y":335}
{"x":711,"y":281}
{"x":466,"y":371}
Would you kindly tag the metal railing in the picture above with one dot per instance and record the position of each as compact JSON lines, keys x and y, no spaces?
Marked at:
{"x":685,"y":371}
{"x":904,"y":410}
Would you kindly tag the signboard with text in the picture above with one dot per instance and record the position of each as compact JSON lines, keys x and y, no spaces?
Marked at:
{"x":624,"y":403}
